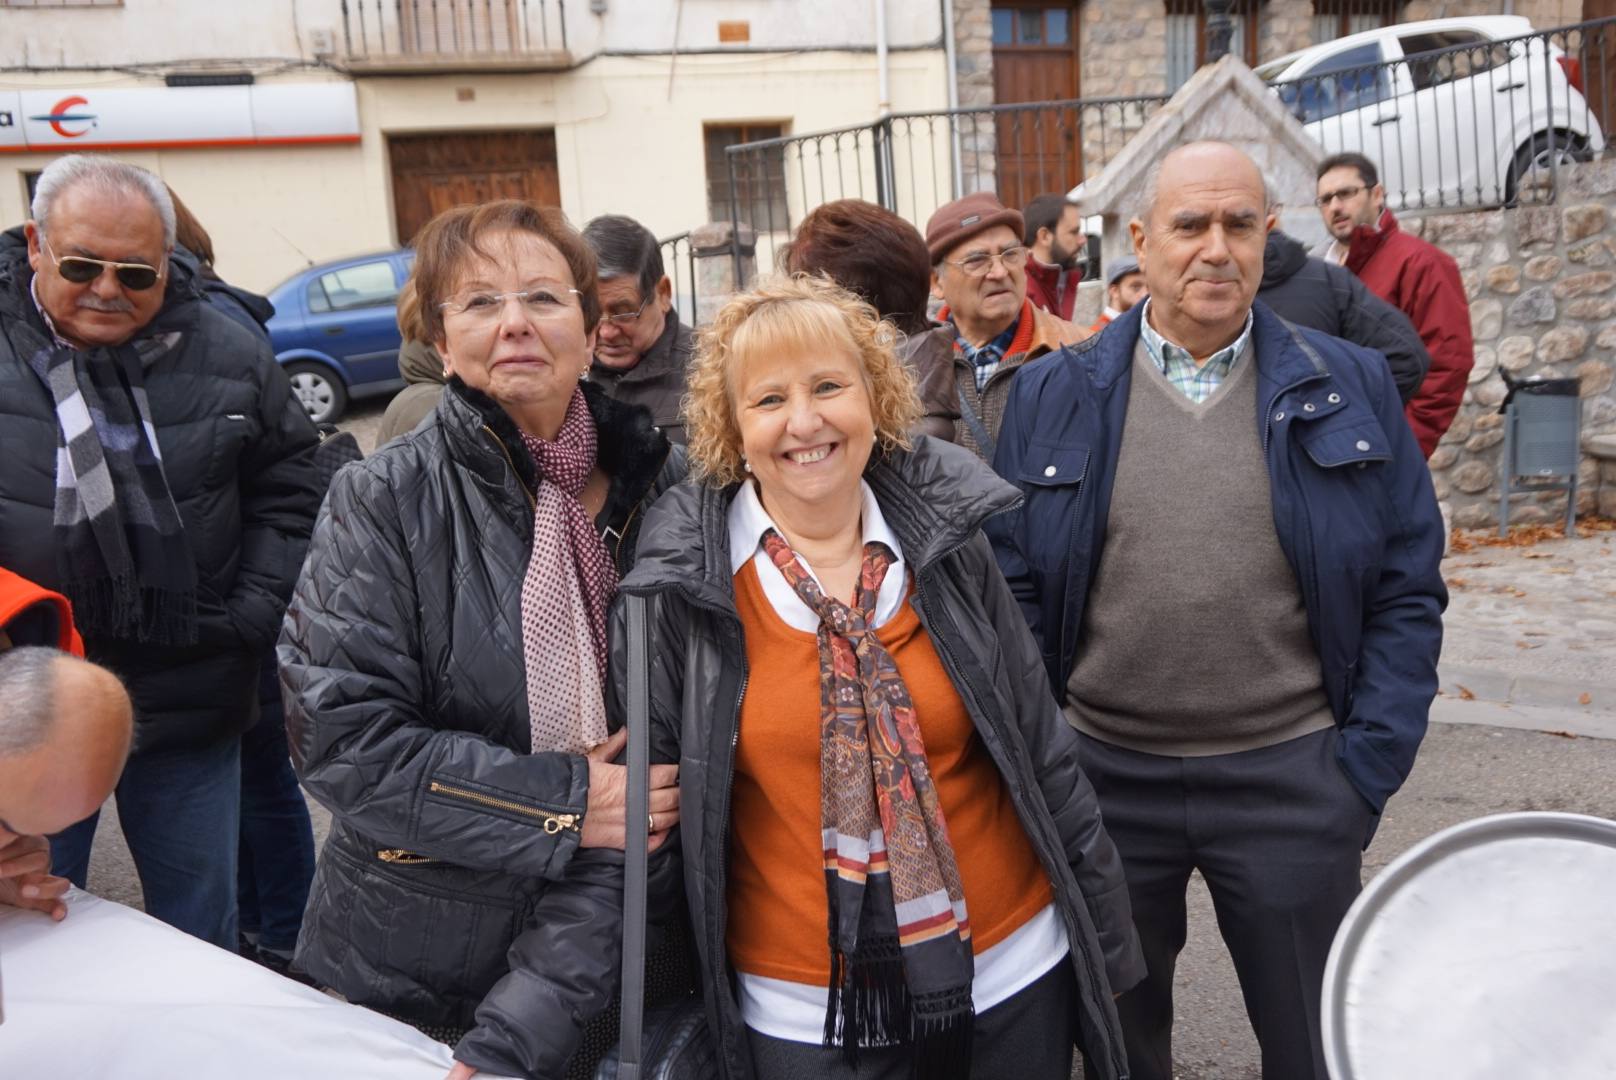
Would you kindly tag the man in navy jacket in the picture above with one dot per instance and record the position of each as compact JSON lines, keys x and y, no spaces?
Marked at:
{"x":1229,"y":551}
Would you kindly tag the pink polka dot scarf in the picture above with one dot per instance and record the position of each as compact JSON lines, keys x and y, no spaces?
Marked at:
{"x":569,"y":586}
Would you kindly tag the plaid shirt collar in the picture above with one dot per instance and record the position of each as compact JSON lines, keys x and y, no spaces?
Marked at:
{"x":50,"y":324}
{"x":985,"y":359}
{"x":1197,"y":381}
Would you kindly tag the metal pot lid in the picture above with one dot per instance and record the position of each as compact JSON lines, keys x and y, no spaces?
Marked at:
{"x":1487,"y":950}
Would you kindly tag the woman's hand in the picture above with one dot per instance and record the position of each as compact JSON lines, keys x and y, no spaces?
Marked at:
{"x":604,"y":815}
{"x":461,"y":1071}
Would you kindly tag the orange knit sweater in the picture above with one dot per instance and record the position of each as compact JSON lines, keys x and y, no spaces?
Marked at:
{"x":777,"y":906}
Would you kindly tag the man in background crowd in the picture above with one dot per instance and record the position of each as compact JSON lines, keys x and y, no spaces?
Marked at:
{"x":1419,"y":279}
{"x":642,"y":350}
{"x":979,"y":271}
{"x":1124,"y":287}
{"x":1054,"y":236}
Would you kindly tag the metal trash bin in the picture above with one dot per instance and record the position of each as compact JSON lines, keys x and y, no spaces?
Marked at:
{"x":1542,"y":442}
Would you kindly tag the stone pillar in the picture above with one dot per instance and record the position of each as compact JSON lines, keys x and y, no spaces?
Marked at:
{"x":726,"y":263}
{"x":1123,"y":47}
{"x":1284,"y":27}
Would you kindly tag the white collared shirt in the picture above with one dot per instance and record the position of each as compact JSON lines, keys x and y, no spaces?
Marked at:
{"x":796,"y":1011}
{"x":748,"y":521}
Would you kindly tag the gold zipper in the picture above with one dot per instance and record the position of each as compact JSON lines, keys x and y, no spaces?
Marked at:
{"x":402,"y":857}
{"x":553,"y":823}
{"x":532,"y":502}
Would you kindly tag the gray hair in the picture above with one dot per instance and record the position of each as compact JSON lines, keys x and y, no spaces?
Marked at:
{"x":1148,"y":190}
{"x":107,"y":176}
{"x":28,"y":691}
{"x":625,"y":248}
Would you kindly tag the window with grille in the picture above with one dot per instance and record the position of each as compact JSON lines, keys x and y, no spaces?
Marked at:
{"x":760,"y":181}
{"x":1186,"y":36}
{"x":1334,"y":19}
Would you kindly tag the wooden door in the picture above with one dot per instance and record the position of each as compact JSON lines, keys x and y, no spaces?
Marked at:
{"x":1598,"y":57}
{"x":432,"y":173}
{"x":1035,"y":60}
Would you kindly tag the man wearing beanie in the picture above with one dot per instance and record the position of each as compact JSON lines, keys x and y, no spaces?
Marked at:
{"x":979,"y":271}
{"x":1124,"y":287}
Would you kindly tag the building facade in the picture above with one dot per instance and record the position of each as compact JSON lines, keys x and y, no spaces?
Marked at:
{"x":304,"y":130}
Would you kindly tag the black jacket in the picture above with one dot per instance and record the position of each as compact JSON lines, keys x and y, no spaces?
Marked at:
{"x":657,"y":382}
{"x":451,"y":891}
{"x":1309,"y":291}
{"x":238,"y":454}
{"x":934,"y":498}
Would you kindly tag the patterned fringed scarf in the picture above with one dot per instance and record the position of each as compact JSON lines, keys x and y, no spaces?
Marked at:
{"x":121,"y":547}
{"x":569,"y":586}
{"x":900,"y":939}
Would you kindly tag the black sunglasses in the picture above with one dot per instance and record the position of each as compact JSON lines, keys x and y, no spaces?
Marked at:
{"x":81,"y":270}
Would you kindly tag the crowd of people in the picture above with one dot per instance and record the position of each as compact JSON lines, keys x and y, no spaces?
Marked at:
{"x":972,"y":632}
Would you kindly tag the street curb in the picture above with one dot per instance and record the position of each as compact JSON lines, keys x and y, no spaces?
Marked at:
{"x":1494,"y":684}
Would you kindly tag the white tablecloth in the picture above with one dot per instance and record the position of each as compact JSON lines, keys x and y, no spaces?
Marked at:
{"x":111,"y":993}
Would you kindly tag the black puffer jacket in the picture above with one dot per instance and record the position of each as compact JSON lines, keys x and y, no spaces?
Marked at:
{"x":1309,"y":291}
{"x":935,"y":499}
{"x":451,"y":891}
{"x":238,"y":454}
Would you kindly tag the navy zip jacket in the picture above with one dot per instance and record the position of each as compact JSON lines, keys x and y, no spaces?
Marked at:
{"x":1353,"y":509}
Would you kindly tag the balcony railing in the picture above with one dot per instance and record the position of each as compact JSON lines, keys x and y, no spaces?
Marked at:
{"x":434,"y":36}
{"x":912,"y":163}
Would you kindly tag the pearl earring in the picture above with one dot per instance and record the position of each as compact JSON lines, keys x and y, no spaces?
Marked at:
{"x":747,"y":465}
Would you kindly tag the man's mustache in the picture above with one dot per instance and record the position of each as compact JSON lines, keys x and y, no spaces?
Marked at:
{"x":96,"y":303}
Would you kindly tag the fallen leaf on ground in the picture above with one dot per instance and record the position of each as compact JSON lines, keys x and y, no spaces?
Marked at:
{"x":1563,"y":734}
{"x":1465,"y":693}
{"x":1536,"y":555}
{"x":1585,"y":699}
{"x":1458,"y":583}
{"x":1561,"y":570}
{"x":1528,"y":644}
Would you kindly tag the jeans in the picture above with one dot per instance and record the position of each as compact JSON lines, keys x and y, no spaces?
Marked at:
{"x":277,"y":840}
{"x":179,"y":810}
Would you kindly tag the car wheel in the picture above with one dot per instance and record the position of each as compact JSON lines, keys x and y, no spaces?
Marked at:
{"x":319,"y":390}
{"x":1531,"y":174}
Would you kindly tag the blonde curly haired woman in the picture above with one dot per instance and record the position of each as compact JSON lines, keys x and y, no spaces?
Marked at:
{"x":893,"y":863}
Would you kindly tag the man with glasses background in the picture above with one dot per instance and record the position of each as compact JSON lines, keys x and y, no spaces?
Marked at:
{"x":1420,"y":280}
{"x":160,"y":475}
{"x":979,"y":271}
{"x":642,"y":350}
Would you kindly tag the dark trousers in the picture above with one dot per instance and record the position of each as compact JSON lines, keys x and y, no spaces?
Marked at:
{"x":1278,"y":835}
{"x":277,"y":840}
{"x":1028,"y":1037}
{"x":179,"y":811}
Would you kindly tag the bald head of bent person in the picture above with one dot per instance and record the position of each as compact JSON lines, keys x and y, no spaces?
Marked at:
{"x":65,"y":729}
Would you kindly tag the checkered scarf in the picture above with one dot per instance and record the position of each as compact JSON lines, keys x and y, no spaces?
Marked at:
{"x":121,"y":547}
{"x":568,"y":587}
{"x":900,"y":938}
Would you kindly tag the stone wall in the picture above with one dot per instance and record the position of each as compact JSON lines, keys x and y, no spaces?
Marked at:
{"x":1542,"y":287}
{"x":973,"y":63}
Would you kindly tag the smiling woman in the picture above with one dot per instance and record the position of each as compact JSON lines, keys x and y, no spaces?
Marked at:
{"x":829,"y":587}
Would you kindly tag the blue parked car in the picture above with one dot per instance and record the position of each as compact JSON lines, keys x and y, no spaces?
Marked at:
{"x":335,"y":330}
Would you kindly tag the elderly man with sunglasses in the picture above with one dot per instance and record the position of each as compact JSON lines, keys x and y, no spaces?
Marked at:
{"x":990,"y":328}
{"x":159,"y":474}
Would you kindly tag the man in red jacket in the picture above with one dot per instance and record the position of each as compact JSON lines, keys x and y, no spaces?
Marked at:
{"x":1053,"y":233}
{"x":1417,"y":278}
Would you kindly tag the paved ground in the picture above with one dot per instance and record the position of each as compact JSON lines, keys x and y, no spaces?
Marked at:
{"x":1530,"y":632}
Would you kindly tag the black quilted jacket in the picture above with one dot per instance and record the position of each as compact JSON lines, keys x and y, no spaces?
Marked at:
{"x":451,"y":891}
{"x":935,"y":499}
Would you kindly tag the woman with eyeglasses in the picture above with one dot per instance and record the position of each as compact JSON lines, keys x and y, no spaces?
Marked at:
{"x":444,"y":660}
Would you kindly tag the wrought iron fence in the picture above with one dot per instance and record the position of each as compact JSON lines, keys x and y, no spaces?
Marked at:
{"x":681,"y":271}
{"x":912,"y":163}
{"x":452,"y":28}
{"x":1461,"y":121}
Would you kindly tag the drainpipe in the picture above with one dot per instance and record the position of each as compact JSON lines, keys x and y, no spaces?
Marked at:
{"x":950,"y":60}
{"x":881,"y":63}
